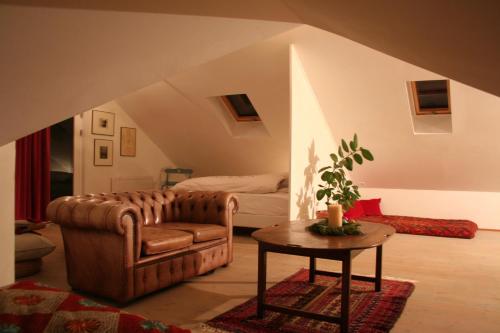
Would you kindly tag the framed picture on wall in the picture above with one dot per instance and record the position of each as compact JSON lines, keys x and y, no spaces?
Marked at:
{"x":103,"y":123}
{"x":128,"y":138}
{"x":103,"y":152}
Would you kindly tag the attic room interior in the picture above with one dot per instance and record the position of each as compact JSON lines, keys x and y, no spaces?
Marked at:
{"x":233,"y":166}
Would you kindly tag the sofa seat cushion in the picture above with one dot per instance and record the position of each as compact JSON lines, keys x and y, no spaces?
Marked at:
{"x":201,"y":232}
{"x":157,"y":239}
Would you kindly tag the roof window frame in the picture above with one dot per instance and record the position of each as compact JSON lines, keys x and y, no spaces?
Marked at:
{"x":227,"y":103}
{"x":429,"y":111}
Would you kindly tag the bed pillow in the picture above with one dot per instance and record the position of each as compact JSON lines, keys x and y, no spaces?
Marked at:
{"x":371,"y":207}
{"x":284,"y":183}
{"x":355,"y":212}
{"x":267,"y":183}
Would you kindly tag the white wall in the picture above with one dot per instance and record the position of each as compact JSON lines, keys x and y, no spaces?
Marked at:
{"x":181,"y":114}
{"x":7,"y":189}
{"x":148,"y":162}
{"x":364,"y":91}
{"x":311,"y":141}
{"x":482,"y":208}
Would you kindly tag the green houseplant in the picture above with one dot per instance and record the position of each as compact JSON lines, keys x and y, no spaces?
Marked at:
{"x":336,"y":187}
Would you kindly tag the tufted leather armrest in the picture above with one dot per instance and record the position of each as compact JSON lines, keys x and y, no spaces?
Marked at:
{"x":89,"y":212}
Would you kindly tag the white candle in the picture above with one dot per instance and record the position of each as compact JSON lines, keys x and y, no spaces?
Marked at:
{"x":335,"y":216}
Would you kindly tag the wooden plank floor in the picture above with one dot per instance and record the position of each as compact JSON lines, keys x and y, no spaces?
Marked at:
{"x":457,"y":282}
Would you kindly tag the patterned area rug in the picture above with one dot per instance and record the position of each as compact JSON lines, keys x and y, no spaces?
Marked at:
{"x":371,"y":312}
{"x":31,"y":307}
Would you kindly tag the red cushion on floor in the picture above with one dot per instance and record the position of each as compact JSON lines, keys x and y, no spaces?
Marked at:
{"x":355,"y":212}
{"x":371,"y":207}
{"x":427,"y":226}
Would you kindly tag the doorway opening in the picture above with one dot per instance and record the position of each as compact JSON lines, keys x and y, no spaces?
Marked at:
{"x":61,"y":159}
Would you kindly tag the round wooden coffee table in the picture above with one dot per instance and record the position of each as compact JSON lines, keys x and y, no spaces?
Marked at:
{"x":293,"y":238}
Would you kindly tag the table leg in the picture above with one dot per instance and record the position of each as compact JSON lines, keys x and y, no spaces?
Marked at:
{"x":378,"y":269}
{"x":346,"y":292}
{"x":261,"y":281}
{"x":312,"y":269}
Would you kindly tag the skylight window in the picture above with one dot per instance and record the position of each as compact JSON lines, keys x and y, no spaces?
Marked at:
{"x":240,"y":107}
{"x":431,"y":97}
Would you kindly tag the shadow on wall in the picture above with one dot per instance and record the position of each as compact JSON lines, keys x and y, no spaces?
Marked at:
{"x":305,"y":198}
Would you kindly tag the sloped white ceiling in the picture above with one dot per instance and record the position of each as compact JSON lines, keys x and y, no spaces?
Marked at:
{"x":56,"y":62}
{"x":364,"y":91}
{"x":459,"y":39}
{"x":183,"y":117}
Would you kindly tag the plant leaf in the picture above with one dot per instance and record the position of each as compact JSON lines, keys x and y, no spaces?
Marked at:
{"x":341,"y":153}
{"x":334,"y":158}
{"x":348,"y":163}
{"x":355,"y":140}
{"x":330,"y":178}
{"x":337,"y":176}
{"x":320,"y":194}
{"x":367,"y":154}
{"x":345,"y":146}
{"x":324,"y":176}
{"x":324,"y":168}
{"x":352,"y":145}
{"x":358,"y":158}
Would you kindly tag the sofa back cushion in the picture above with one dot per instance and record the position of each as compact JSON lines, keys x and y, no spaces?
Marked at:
{"x":200,"y":207}
{"x":168,"y":206}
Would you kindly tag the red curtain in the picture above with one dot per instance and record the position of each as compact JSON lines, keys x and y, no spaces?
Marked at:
{"x":33,"y":176}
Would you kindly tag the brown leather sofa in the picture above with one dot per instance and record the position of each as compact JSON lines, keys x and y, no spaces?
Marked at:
{"x":125,"y":245}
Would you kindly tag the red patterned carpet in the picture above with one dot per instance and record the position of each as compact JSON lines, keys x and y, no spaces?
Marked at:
{"x":31,"y":307}
{"x":371,"y":312}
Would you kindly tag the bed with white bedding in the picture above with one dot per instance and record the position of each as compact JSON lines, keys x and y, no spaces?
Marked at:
{"x":262,"y":210}
{"x":263,"y":199}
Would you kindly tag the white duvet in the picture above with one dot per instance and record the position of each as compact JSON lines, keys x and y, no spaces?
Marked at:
{"x":267,"y":183}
